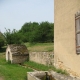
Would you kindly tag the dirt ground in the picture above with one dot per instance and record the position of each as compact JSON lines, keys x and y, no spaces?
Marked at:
{"x":1,"y":78}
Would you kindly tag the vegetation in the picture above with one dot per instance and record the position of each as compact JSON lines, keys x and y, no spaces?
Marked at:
{"x":41,"y":67}
{"x":16,"y":72}
{"x":12,"y":37}
{"x":2,"y":40}
{"x":31,"y":32}
{"x":37,"y":32}
{"x":40,"y":47}
{"x":3,"y":49}
{"x":39,"y":37}
{"x":36,"y":66}
{"x":12,"y":71}
{"x":7,"y":70}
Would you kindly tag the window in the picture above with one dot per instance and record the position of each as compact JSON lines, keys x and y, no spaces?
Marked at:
{"x":77,"y":18}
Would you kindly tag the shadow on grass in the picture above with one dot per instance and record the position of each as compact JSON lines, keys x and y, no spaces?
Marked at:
{"x":2,"y":49}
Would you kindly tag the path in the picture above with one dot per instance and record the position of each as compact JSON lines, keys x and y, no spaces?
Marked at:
{"x":1,"y":78}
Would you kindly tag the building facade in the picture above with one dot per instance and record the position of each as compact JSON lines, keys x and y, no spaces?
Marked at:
{"x":66,"y":38}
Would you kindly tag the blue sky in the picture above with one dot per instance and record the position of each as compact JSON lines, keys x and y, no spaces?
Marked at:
{"x":14,"y":13}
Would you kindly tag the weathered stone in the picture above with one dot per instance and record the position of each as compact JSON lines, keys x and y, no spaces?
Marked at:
{"x":17,"y":53}
{"x":45,"y":58}
{"x":55,"y":76}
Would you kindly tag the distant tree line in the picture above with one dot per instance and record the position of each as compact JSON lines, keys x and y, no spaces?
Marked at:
{"x":2,"y":40}
{"x":37,"y":32}
{"x":32,"y":32}
{"x":12,"y":37}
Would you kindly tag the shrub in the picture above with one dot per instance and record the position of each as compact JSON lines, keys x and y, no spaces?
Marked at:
{"x":1,"y":42}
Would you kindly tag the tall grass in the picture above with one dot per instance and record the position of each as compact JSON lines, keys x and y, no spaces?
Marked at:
{"x":12,"y":71}
{"x":41,"y":67}
{"x":40,"y":47}
{"x":36,"y":66}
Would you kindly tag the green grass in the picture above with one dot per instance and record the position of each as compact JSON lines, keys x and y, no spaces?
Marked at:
{"x":40,"y":47}
{"x":16,"y":72}
{"x":12,"y":71}
{"x":41,"y":67}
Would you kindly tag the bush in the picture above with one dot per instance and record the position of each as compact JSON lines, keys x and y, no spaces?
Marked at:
{"x":12,"y":37}
{"x":1,"y":42}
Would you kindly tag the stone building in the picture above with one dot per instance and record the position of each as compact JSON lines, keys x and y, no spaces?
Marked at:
{"x":67,"y":35}
{"x":17,"y":53}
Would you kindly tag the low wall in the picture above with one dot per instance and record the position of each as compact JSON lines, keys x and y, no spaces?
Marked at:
{"x":45,"y":58}
{"x":36,"y":75}
{"x":40,"y":75}
{"x":31,"y":76}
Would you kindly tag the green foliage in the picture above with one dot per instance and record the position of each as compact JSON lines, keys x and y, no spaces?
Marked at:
{"x":40,"y":47}
{"x":3,"y":49}
{"x":46,"y":32}
{"x":49,"y":49}
{"x":12,"y":37}
{"x":37,"y":66}
{"x":42,"y":67}
{"x":32,"y":32}
{"x":12,"y":71}
{"x":37,"y":32}
{"x":2,"y":40}
{"x":62,"y":71}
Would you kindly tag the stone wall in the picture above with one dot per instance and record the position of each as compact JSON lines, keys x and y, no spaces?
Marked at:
{"x":45,"y":58}
{"x":39,"y":75}
{"x":17,"y":53}
{"x":19,"y":58}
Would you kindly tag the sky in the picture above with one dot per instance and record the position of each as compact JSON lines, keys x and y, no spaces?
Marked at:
{"x":14,"y":13}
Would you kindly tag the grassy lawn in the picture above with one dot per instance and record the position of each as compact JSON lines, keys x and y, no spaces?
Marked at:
{"x":12,"y":71}
{"x":40,"y":47}
{"x":36,"y":66}
{"x":41,"y":67}
{"x":16,"y":72}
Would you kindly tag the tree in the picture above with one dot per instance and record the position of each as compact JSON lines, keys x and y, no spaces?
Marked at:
{"x":2,"y":40}
{"x":13,"y":37}
{"x":45,"y":32}
{"x":37,"y":32}
{"x":25,"y":31}
{"x":31,"y":32}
